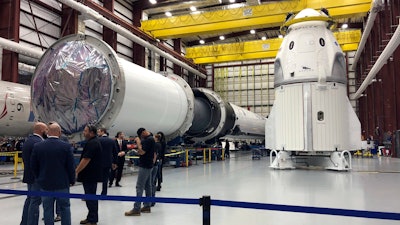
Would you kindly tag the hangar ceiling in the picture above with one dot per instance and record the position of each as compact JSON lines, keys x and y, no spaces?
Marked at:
{"x":234,"y":21}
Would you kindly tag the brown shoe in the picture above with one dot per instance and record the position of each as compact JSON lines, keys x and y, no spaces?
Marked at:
{"x":145,"y":210}
{"x":132,"y":212}
{"x":85,"y":221}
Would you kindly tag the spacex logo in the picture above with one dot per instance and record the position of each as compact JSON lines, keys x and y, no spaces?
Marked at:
{"x":4,"y":111}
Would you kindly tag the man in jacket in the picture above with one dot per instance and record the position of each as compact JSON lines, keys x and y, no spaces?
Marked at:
{"x":122,"y":149}
{"x":30,"y":213}
{"x":52,"y":164}
{"x":109,"y":156}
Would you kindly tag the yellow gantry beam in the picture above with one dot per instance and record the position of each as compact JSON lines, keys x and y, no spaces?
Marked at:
{"x":251,"y":50}
{"x":250,"y":17}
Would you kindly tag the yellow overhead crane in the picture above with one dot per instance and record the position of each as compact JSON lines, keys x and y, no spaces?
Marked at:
{"x":260,"y":49}
{"x":251,"y":17}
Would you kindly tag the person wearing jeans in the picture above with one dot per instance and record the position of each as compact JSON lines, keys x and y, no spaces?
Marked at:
{"x":145,"y":143}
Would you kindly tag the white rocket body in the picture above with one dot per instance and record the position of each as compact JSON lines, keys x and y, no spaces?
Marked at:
{"x":16,"y":116}
{"x":312,"y":113}
{"x":80,"y":80}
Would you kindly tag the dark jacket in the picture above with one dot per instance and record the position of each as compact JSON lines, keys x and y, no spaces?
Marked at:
{"x":124,"y":147}
{"x":92,"y":172}
{"x":109,"y":153}
{"x":52,"y":164}
{"x":26,"y":157}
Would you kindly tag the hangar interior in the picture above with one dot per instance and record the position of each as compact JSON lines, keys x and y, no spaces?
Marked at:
{"x":232,"y":45}
{"x":229,"y":47}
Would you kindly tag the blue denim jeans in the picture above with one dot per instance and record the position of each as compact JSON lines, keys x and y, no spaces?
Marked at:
{"x":30,"y":213}
{"x":143,"y":184}
{"x":64,"y":205}
{"x":154,"y":180}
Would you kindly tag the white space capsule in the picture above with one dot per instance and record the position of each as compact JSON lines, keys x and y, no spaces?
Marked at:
{"x":312,"y":116}
{"x":16,"y":116}
{"x":80,"y":79}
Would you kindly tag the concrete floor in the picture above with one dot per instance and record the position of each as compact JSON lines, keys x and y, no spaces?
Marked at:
{"x":373,"y":185}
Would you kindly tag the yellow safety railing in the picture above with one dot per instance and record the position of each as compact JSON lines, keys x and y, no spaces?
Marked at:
{"x":16,"y":161}
{"x":206,"y":158}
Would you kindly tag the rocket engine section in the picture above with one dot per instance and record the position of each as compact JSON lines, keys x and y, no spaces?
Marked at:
{"x":215,"y":118}
{"x":81,"y":80}
{"x":16,"y":116}
{"x":312,"y":116}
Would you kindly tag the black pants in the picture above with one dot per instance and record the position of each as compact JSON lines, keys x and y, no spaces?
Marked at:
{"x":106,"y":176}
{"x":92,"y":205}
{"x":117,"y":173}
{"x":159,"y":173}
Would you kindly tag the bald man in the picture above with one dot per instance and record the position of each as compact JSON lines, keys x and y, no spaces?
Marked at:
{"x":30,"y":213}
{"x":52,"y":164}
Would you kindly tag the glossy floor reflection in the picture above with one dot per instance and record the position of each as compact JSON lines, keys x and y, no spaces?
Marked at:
{"x":373,"y":185}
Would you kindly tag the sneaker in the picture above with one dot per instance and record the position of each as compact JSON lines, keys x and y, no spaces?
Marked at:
{"x":118,"y":185}
{"x":132,"y":212}
{"x":58,"y":218}
{"x":85,"y":221}
{"x":158,"y":188}
{"x":145,"y":210}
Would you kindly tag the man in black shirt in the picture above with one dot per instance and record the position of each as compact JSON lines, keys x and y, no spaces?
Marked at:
{"x":145,"y":143}
{"x":89,"y":171}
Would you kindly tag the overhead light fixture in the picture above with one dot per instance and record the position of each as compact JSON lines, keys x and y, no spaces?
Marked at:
{"x":153,"y":1}
{"x":221,"y":37}
{"x":252,"y":31}
{"x":280,"y":36}
{"x":202,"y":42}
{"x":232,"y":1}
{"x":168,"y":14}
{"x":345,"y":26}
{"x":193,"y":8}
{"x":263,"y":38}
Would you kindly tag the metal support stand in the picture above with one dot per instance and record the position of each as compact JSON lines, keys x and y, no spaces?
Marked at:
{"x":205,"y":201}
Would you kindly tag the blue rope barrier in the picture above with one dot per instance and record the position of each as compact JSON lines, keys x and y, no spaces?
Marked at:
{"x":235,"y":204}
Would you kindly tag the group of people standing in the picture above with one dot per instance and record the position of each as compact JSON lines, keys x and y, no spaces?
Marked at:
{"x":49,"y":166}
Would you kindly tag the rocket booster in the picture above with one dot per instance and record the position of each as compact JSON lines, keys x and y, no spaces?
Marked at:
{"x":16,"y":116}
{"x":81,"y":80}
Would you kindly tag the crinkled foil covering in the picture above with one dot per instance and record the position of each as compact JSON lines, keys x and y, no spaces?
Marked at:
{"x":71,"y":86}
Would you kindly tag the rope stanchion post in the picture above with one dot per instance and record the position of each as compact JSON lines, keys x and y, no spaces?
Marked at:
{"x":204,"y":156}
{"x":187,"y":157}
{"x":205,"y":202}
{"x":15,"y":165}
{"x":209,"y":155}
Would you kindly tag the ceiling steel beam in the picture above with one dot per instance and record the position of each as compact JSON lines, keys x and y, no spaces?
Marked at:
{"x":250,"y":17}
{"x":136,"y":31}
{"x":251,"y":50}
